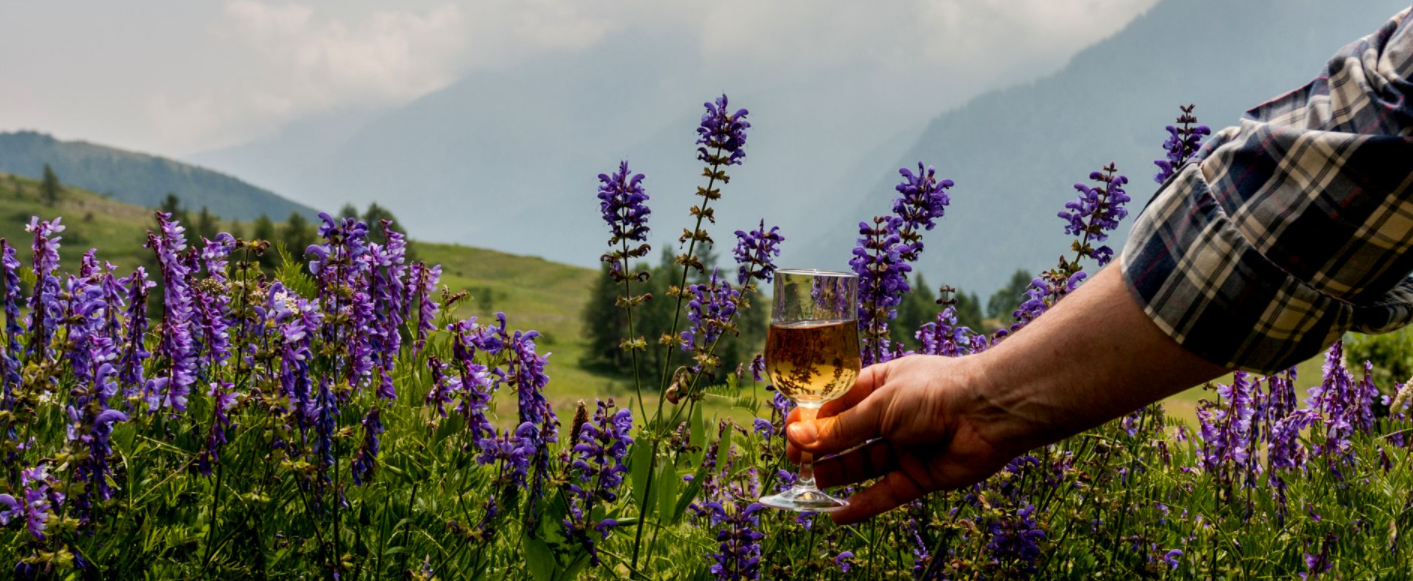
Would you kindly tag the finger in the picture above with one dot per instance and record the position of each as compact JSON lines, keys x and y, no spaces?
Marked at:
{"x":893,"y":491}
{"x":869,"y":379}
{"x":828,"y":435}
{"x":871,"y":461}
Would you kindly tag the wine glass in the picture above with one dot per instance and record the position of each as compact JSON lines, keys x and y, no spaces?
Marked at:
{"x":812,"y":355}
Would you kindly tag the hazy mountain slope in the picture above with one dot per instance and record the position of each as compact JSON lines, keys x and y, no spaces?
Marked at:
{"x":508,"y":159}
{"x":1016,"y":153}
{"x":138,"y":178}
{"x":280,"y":159}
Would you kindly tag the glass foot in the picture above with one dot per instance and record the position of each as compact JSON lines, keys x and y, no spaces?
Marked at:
{"x":802,"y":499}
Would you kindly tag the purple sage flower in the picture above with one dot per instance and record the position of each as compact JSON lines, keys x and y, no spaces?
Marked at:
{"x":365,"y":462}
{"x":722,"y":134}
{"x":1182,"y":144}
{"x":755,"y":254}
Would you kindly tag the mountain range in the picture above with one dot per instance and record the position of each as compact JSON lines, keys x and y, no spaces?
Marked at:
{"x":138,"y":178}
{"x":1016,"y":153}
{"x":507,"y":159}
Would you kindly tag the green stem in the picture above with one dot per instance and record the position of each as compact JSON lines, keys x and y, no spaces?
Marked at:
{"x":667,"y":362}
{"x":632,"y":348}
{"x":215,"y":514}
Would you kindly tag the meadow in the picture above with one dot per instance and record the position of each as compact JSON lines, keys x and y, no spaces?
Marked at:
{"x":182,"y":413}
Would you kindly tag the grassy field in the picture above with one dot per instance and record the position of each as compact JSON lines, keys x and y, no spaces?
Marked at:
{"x":533,"y":292}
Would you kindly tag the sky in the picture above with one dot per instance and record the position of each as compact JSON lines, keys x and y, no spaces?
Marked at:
{"x":179,"y":77}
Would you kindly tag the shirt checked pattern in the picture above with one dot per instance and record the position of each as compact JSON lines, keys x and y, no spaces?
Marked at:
{"x":1295,"y":226}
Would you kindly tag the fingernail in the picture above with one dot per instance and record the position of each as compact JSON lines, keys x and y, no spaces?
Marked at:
{"x":804,"y":433}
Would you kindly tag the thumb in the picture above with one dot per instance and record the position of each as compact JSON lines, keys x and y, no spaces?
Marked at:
{"x":837,"y":433}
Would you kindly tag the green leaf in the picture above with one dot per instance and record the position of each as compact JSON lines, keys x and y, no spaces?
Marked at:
{"x":539,"y":559}
{"x":667,"y":491}
{"x":572,"y":571}
{"x":291,"y":273}
{"x":639,"y":467}
{"x":723,"y":448}
{"x":689,"y":494}
{"x":123,"y":436}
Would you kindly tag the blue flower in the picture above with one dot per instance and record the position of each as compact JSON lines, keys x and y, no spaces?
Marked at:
{"x":755,"y":252}
{"x":712,"y":306}
{"x":722,"y":134}
{"x":365,"y":462}
{"x":222,"y":400}
{"x":1182,"y":144}
{"x":44,"y":299}
{"x":621,"y":200}
{"x":177,"y":344}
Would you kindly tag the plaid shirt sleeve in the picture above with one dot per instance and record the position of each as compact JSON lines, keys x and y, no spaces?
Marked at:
{"x":1295,"y":226}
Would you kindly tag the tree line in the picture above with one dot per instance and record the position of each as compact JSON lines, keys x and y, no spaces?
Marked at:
{"x":605,"y":326}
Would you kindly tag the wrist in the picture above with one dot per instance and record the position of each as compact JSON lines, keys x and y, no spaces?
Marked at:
{"x":1003,"y":410}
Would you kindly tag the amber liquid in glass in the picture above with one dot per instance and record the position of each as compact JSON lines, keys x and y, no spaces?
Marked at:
{"x":813,"y":362}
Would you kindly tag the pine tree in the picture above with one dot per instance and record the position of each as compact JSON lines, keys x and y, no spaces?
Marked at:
{"x":206,"y":226}
{"x":264,"y":229}
{"x":605,"y":326}
{"x":1003,"y":303}
{"x":50,"y":188}
{"x":349,"y":211}
{"x":968,"y":311}
{"x":173,"y":205}
{"x":297,"y":236}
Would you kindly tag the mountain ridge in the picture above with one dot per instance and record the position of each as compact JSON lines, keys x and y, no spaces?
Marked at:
{"x":140,"y":178}
{"x":1110,"y":103}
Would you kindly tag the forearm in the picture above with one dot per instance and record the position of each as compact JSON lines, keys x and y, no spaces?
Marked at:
{"x":1093,"y":357}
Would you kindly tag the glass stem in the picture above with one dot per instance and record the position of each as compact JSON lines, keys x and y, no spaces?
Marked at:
{"x":806,"y":476}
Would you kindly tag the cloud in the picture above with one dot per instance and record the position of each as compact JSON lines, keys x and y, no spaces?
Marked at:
{"x":210,"y":75}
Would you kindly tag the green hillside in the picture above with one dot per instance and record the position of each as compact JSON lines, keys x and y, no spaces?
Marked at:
{"x":138,"y":178}
{"x":533,"y":292}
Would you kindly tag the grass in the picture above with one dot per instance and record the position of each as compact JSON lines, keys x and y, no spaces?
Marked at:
{"x":1183,"y":405}
{"x":534,"y":293}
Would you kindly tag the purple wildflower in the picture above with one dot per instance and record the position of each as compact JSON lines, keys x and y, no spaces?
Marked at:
{"x":924,"y":199}
{"x":222,"y":400}
{"x":514,"y":451}
{"x":884,"y":250}
{"x":44,"y":299}
{"x":722,"y":134}
{"x":738,"y":536}
{"x":1016,"y":539}
{"x":365,"y":462}
{"x":297,"y":320}
{"x":387,"y":290}
{"x":176,"y":345}
{"x":1230,"y":430}
{"x":444,"y":386}
{"x":844,"y":561}
{"x":131,"y":372}
{"x":1182,"y":144}
{"x":475,"y":381}
{"x":1320,"y":562}
{"x":211,"y":305}
{"x":10,"y":296}
{"x":758,"y":367}
{"x":621,"y":200}
{"x":1096,"y":212}
{"x":40,"y":502}
{"x":710,"y":311}
{"x":326,"y":424}
{"x":424,"y":282}
{"x":755,"y":252}
{"x":598,"y":468}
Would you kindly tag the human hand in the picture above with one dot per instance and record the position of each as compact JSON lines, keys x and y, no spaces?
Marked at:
{"x":921,"y":423}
